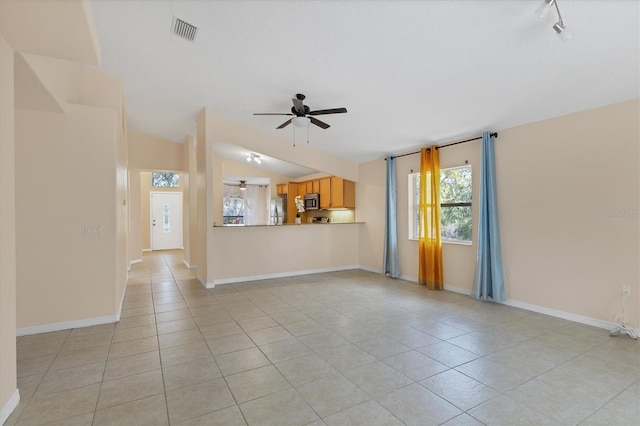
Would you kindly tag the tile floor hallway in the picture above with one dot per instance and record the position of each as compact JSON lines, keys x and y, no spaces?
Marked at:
{"x":346,"y":348}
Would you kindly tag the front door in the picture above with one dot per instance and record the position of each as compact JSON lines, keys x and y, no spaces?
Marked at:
{"x":166,"y":220}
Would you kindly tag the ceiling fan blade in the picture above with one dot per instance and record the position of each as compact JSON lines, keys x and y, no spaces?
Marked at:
{"x":319,"y":123}
{"x":271,"y":113}
{"x":285,"y":124}
{"x":327,"y":111}
{"x":298,"y":105}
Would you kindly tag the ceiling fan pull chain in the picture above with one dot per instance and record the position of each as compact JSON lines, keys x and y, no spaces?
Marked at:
{"x":307,"y":133}
{"x":294,"y":136}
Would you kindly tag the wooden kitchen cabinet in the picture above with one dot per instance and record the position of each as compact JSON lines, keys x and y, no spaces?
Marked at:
{"x":325,"y":193}
{"x":309,"y":187}
{"x":337,"y":193}
{"x":315,"y":186}
{"x":343,"y":193}
{"x":282,"y":188}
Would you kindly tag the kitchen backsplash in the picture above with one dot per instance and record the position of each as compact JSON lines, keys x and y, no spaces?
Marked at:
{"x":335,"y":216}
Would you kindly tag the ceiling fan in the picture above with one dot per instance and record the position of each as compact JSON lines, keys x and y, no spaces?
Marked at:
{"x":301,"y":111}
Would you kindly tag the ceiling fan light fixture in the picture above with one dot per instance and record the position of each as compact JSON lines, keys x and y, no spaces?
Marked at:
{"x":243,"y":185}
{"x":300,"y":121}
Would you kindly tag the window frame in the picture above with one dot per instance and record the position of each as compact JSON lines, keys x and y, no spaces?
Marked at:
{"x":413,"y":206}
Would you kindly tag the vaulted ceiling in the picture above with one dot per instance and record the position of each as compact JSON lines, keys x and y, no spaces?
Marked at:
{"x":410,"y":73}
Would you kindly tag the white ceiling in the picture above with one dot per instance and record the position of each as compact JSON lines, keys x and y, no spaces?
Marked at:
{"x":409,"y":72}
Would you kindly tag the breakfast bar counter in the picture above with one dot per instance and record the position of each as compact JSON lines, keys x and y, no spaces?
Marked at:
{"x":247,"y":253}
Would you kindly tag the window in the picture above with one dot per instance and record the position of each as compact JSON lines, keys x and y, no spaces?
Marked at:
{"x":455,"y":204}
{"x":165,"y":180}
{"x":233,"y":210}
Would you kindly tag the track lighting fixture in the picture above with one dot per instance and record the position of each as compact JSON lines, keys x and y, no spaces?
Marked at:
{"x":559,"y":27}
{"x":254,"y":157}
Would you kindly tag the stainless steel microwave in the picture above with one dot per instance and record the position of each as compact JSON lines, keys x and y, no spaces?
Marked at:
{"x":312,"y":202}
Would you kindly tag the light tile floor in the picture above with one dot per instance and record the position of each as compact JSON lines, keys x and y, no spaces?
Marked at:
{"x":336,"y":348}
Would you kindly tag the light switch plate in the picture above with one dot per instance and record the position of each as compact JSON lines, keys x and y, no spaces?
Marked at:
{"x":93,"y":230}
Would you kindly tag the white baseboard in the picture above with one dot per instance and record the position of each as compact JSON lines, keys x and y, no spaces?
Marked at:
{"x":66,"y":325}
{"x":188,"y":265}
{"x":124,"y":291}
{"x":370,"y":269}
{"x":581,"y":319}
{"x":9,"y":407}
{"x":455,"y":289}
{"x":560,"y":314}
{"x":204,"y":282}
{"x":409,"y":278}
{"x":282,"y":275}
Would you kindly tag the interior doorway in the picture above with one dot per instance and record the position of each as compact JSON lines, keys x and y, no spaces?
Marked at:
{"x":166,"y":220}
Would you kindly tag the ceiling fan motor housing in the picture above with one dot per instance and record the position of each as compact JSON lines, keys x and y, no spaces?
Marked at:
{"x":298,"y":113}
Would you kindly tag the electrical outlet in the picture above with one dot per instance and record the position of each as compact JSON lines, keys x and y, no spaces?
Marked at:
{"x":626,"y":290}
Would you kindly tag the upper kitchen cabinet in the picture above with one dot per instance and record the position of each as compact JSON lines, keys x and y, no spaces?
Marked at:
{"x":325,"y":193}
{"x":282,"y":188}
{"x":337,"y":193}
{"x":343,"y":193}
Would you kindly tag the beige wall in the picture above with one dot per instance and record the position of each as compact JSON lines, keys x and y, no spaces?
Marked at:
{"x":148,"y":152}
{"x":247,"y":253}
{"x":191,"y":203}
{"x":556,"y":180}
{"x":145,"y":205}
{"x":202,"y":188}
{"x":370,"y":209}
{"x":134,"y":236}
{"x":64,"y":276}
{"x":8,"y":384}
{"x":63,"y":184}
{"x":41,"y":83}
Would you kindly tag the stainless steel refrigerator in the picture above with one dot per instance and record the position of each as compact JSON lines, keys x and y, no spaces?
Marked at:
{"x":278,"y":212}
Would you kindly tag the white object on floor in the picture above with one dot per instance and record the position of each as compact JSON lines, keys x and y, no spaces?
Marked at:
{"x":624,"y":326}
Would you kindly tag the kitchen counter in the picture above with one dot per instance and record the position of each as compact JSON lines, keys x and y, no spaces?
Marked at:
{"x":249,"y":253}
{"x":287,"y":225}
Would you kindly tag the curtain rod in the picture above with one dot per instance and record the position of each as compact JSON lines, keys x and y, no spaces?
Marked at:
{"x":444,"y":146}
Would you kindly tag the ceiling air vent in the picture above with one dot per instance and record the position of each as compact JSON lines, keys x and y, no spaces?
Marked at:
{"x":184,"y":29}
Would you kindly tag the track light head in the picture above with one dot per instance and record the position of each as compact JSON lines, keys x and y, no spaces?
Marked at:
{"x":561,"y":30}
{"x":254,"y":157}
{"x":559,"y":27}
